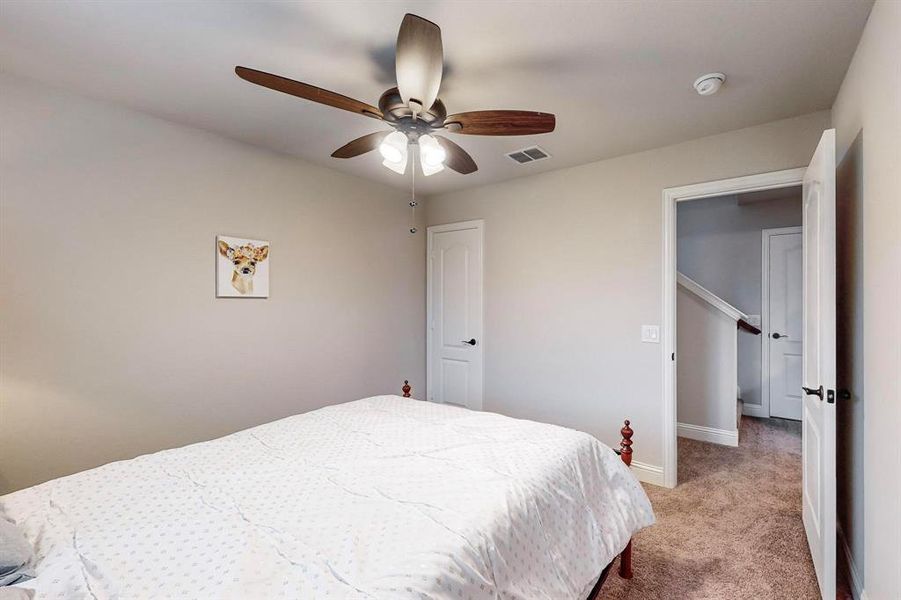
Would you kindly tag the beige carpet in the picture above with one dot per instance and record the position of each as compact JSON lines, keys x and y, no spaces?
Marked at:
{"x":732,"y":528}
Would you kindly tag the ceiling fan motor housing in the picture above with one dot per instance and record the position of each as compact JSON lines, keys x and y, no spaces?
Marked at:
{"x":401,"y":117}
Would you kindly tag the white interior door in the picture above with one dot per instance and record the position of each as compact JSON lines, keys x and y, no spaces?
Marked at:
{"x":455,"y":340}
{"x":819,"y":362}
{"x":785,"y":322}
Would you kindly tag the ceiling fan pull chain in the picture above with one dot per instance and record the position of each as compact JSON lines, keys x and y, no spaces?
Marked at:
{"x":413,"y":190}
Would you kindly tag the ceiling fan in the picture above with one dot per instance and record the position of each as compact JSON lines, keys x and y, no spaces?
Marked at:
{"x":413,"y":108}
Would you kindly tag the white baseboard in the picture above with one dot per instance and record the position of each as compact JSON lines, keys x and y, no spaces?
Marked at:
{"x":648,"y":473}
{"x":708,"y":434}
{"x":753,"y":410}
{"x":850,"y":567}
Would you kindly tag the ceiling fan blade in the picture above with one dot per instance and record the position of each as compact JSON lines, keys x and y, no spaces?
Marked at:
{"x":361,"y":145}
{"x":457,"y":158}
{"x":501,"y":122}
{"x":306,"y":91}
{"x":419,"y":60}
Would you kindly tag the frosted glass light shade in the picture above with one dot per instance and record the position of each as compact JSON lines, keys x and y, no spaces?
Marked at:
{"x":431,"y":151}
{"x":430,"y":169}
{"x":397,"y":167}
{"x":394,"y":150}
{"x":431,"y":155}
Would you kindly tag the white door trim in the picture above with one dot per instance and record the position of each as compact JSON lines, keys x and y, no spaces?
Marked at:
{"x":765,"y":313}
{"x":697,"y":191}
{"x":478,"y":224}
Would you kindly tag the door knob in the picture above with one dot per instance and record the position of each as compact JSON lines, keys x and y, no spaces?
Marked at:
{"x":777,"y":335}
{"x":813,"y":392}
{"x":471,"y":342}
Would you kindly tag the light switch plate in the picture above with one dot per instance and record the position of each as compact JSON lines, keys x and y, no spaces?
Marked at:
{"x":754,"y":320}
{"x":650,"y":334}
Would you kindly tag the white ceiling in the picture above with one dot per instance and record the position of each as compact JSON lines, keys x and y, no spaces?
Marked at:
{"x":617,"y":74}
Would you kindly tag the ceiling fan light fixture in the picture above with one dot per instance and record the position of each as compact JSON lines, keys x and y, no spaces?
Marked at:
{"x":431,"y":169}
{"x":394,"y":148}
{"x":399,"y":166}
{"x":431,"y":152}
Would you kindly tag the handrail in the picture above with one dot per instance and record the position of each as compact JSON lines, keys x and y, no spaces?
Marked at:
{"x":741,"y":319}
{"x":704,"y":294}
{"x":742,"y":324}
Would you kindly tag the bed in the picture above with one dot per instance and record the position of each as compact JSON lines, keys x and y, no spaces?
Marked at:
{"x":385,"y":497}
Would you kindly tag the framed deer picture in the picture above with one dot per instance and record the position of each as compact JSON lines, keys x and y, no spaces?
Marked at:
{"x":242,"y":268}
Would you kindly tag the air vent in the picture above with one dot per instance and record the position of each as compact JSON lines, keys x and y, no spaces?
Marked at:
{"x":527,"y":155}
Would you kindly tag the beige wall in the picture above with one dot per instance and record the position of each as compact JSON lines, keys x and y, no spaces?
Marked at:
{"x":113,"y":343}
{"x":867,"y":118}
{"x":573,"y":269}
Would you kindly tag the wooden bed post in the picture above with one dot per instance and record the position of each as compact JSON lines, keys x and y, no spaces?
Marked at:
{"x":625,"y":453}
{"x":625,"y":557}
{"x":625,"y":446}
{"x":406,"y":389}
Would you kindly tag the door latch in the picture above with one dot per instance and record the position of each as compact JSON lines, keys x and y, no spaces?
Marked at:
{"x":830,"y":396}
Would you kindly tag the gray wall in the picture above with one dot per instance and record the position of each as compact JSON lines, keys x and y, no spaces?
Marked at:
{"x":573,"y":268}
{"x":867,"y":120}
{"x":719,"y":246}
{"x":113,"y":341}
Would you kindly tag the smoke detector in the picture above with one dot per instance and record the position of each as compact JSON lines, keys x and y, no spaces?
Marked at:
{"x":709,"y":84}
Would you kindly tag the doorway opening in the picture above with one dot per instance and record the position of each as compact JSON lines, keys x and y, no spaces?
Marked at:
{"x":715,"y":194}
{"x":739,"y":316}
{"x":817,"y":479}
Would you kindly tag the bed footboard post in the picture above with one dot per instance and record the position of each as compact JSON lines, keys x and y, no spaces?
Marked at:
{"x":406,"y":389}
{"x":625,"y":453}
{"x":625,"y":562}
{"x":625,"y":446}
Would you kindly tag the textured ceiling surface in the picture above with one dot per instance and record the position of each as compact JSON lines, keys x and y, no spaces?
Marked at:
{"x":617,"y":74}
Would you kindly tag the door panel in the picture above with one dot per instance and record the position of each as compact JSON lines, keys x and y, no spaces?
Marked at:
{"x":455,"y":314}
{"x":454,"y":381}
{"x":818,"y":423}
{"x":812,"y":441}
{"x":785,"y":316}
{"x":453,"y":258}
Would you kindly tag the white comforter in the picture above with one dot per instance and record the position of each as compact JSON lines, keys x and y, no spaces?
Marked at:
{"x":381,"y":498}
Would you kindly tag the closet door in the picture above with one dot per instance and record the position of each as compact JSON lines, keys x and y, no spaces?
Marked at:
{"x":455,"y":338}
{"x":785,"y":320}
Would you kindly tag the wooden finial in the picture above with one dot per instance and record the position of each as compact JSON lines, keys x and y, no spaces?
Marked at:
{"x":625,"y":446}
{"x":406,"y":389}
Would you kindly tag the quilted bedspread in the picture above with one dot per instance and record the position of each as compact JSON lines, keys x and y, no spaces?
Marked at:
{"x":384,"y":497}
